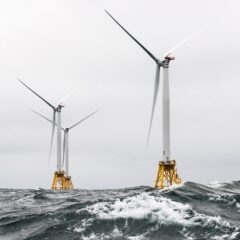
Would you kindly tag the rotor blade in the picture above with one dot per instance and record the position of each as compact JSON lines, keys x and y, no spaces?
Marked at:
{"x":82,"y":120}
{"x":39,"y":114}
{"x":44,"y":117}
{"x":64,"y":147}
{"x":182,"y":42}
{"x":147,"y":51}
{"x":53,"y":130}
{"x":71,"y":93}
{"x":155,"y":94}
{"x":49,"y":104}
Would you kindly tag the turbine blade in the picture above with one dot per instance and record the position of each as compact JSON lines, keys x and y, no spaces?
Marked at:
{"x":39,"y":114}
{"x":71,"y":93}
{"x":74,"y":125}
{"x":44,"y":117}
{"x":182,"y":42}
{"x":146,"y":50}
{"x":53,"y":130}
{"x":49,"y":104}
{"x":155,"y":94}
{"x":64,"y":147}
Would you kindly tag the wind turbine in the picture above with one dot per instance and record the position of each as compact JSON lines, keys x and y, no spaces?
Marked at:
{"x":68,"y":181}
{"x":58,"y":176}
{"x":164,"y":63}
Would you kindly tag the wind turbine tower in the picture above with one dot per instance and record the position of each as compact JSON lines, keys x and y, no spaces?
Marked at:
{"x":68,"y":184}
{"x":58,"y":179}
{"x":68,"y":179}
{"x":167,"y":171}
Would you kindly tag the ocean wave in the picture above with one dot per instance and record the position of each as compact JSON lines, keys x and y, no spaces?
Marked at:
{"x":190,"y":211}
{"x":145,"y":205}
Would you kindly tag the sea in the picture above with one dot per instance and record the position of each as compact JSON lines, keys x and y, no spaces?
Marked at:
{"x":188,"y":211}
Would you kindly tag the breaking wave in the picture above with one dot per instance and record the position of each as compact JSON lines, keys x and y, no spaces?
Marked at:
{"x":190,"y":211}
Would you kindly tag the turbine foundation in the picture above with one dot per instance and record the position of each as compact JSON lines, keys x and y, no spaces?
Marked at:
{"x":68,"y":183}
{"x":58,"y":180}
{"x":167,"y":175}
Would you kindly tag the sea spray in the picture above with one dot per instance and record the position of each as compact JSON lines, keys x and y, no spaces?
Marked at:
{"x":190,"y":211}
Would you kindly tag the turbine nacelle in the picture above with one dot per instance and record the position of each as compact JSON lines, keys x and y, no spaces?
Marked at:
{"x":169,"y":58}
{"x":166,"y":61}
{"x":59,"y":107}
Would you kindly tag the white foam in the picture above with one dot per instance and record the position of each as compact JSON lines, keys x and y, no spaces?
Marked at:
{"x":155,"y":208}
{"x":116,"y":232}
{"x":226,"y":198}
{"x":81,"y":227}
{"x":216,"y":184}
{"x":214,"y":221}
{"x":140,"y":237}
{"x":187,"y":235}
{"x":143,"y":206}
{"x":175,"y":186}
{"x":102,"y":236}
{"x":234,"y":235}
{"x":222,"y":237}
{"x":227,"y":236}
{"x":78,"y":229}
{"x":92,"y":237}
{"x":238,"y":206}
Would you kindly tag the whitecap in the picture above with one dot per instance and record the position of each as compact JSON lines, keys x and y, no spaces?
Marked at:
{"x":139,"y":237}
{"x":155,"y":208}
{"x":216,"y":184}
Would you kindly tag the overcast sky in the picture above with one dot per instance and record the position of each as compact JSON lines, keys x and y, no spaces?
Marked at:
{"x":56,"y":45}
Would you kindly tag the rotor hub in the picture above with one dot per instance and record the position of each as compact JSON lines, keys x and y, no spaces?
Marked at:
{"x":59,"y":107}
{"x":167,"y":60}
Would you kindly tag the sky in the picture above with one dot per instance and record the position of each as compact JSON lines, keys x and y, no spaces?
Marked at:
{"x":54,"y":46}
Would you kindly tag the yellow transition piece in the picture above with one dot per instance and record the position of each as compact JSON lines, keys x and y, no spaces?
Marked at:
{"x":61,"y":182}
{"x":167,"y":174}
{"x":68,"y":183}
